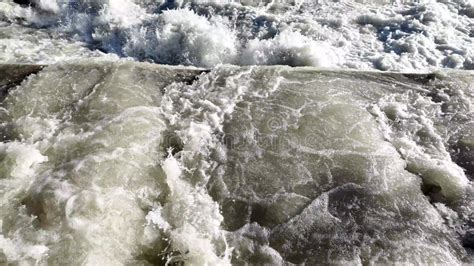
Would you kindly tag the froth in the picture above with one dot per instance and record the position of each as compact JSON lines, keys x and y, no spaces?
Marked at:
{"x":341,"y":34}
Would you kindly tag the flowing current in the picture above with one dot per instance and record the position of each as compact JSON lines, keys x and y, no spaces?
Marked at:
{"x":188,"y":132}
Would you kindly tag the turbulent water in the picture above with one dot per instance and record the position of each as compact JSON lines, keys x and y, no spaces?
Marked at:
{"x":132,"y":163}
{"x":110,"y":155}
{"x":331,"y":34}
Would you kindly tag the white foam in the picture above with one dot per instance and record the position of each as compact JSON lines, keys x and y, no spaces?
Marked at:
{"x":48,"y":6}
{"x":17,"y":171}
{"x":197,"y":40}
{"x":191,"y":220}
{"x":290,"y":48}
{"x":420,"y":144}
{"x":341,"y":34}
{"x":20,"y":160}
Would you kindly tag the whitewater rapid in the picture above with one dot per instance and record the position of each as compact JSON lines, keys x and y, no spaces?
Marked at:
{"x":133,"y":163}
{"x":345,"y":34}
{"x":236,"y":132}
